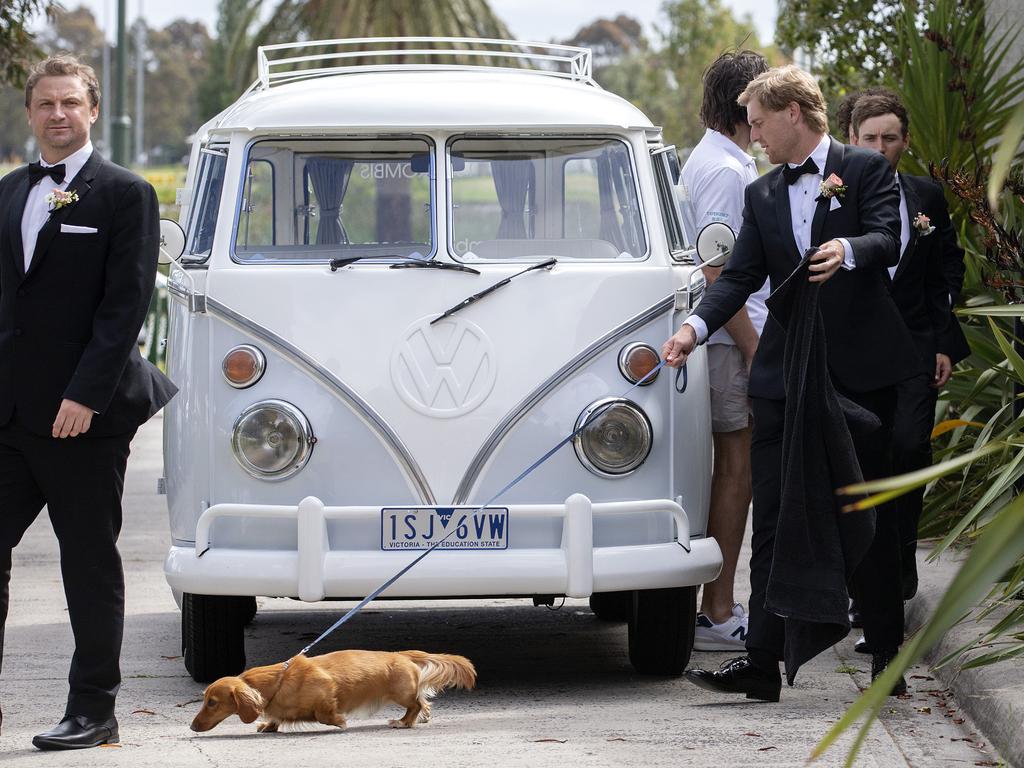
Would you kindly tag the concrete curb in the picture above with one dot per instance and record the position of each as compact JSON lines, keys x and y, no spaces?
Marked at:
{"x":992,"y":696}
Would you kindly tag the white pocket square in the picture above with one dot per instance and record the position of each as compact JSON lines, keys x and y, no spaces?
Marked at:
{"x":76,"y":230}
{"x":835,"y":204}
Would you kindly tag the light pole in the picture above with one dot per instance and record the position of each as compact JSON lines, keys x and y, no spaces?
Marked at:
{"x":121,"y":123}
{"x":140,"y":80}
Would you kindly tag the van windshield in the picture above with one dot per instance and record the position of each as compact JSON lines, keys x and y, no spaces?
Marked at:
{"x":516,"y":199}
{"x":313,"y":201}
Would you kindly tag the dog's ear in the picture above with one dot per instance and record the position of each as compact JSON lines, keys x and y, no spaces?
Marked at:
{"x":249,"y":703}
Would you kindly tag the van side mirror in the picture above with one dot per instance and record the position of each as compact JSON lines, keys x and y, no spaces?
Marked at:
{"x":714,"y":244}
{"x":172,"y":241}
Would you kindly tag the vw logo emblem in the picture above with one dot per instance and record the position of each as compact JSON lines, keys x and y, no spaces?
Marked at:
{"x":443,"y":370}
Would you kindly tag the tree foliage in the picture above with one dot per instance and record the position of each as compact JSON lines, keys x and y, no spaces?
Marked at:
{"x":852,"y":44}
{"x":663,"y":76}
{"x":18,"y":47}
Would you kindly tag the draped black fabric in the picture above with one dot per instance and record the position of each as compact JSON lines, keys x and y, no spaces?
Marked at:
{"x":512,"y":180}
{"x":329,"y":177}
{"x":817,"y":546}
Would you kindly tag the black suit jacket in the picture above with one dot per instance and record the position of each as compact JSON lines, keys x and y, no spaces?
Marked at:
{"x":931,"y":271}
{"x":868,"y":345}
{"x":69,"y":326}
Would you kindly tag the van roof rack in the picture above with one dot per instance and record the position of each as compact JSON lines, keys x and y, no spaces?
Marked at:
{"x":295,"y":62}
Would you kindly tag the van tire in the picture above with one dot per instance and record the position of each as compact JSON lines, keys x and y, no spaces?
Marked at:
{"x":661,"y":630}
{"x":212,"y":639}
{"x":612,"y":606}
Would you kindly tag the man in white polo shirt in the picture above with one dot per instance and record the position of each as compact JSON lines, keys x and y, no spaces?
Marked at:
{"x":716,"y":173}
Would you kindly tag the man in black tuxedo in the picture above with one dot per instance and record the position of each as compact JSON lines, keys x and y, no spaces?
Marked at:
{"x":843,"y":200}
{"x":78,"y":253}
{"x":925,"y":282}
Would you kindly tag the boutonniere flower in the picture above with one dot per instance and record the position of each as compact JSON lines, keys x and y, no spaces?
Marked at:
{"x":923,"y":225}
{"x":831,"y":187}
{"x":60,"y":199}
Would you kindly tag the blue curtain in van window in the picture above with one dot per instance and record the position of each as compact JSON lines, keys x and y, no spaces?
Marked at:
{"x":329,"y":177}
{"x":610,"y":229}
{"x":512,"y":180}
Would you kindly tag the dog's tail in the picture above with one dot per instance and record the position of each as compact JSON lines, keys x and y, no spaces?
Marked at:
{"x":439,"y":671}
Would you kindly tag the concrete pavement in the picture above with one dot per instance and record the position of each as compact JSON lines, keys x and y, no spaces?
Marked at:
{"x":555,"y":685}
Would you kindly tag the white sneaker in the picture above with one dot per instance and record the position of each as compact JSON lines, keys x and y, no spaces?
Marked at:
{"x":730,"y":635}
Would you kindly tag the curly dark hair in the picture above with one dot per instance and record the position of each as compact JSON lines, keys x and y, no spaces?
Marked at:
{"x":844,"y":112}
{"x":875,"y":106}
{"x":724,"y":81}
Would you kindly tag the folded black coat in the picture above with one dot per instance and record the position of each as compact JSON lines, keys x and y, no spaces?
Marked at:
{"x":817,"y":546}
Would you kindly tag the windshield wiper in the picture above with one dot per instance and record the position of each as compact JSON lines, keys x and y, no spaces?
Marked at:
{"x":336,"y":263}
{"x":547,"y":264}
{"x":434,"y":265}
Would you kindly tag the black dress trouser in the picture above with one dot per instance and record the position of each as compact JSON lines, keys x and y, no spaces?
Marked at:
{"x":912,"y":450}
{"x":876,"y":582}
{"x":80,"y":480}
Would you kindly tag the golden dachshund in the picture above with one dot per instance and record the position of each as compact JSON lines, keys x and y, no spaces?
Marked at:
{"x":325,"y":689}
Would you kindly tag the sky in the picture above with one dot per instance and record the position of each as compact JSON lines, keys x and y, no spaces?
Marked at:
{"x":533,"y":20}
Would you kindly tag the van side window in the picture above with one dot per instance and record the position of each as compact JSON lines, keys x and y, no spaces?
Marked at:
{"x":676,"y":208}
{"x":202,"y":218}
{"x":257,"y":216}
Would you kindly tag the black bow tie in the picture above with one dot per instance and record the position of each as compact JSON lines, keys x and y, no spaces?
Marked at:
{"x":37,"y":171}
{"x":792,"y":174}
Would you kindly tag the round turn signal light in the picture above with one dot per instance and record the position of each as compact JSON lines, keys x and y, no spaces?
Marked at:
{"x":243,"y":366}
{"x":636,"y":360}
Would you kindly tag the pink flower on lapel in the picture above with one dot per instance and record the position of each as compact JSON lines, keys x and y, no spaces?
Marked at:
{"x":831,"y":187}
{"x":923,"y":225}
{"x":60,"y":199}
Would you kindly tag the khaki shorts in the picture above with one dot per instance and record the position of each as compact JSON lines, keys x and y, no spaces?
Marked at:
{"x":727,"y":377}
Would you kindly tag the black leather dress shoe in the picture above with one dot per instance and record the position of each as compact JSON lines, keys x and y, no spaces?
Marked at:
{"x":739,"y":676}
{"x":78,"y":732}
{"x":861,"y":646}
{"x":879,"y":661}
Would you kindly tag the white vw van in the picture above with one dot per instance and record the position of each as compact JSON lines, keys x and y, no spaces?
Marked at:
{"x":403,"y":280}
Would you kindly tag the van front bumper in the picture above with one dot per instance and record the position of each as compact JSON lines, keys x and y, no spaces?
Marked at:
{"x":314,"y":570}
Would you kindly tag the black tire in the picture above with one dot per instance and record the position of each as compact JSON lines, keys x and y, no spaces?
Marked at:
{"x":612,"y":606}
{"x":661,"y":630}
{"x":211,"y":635}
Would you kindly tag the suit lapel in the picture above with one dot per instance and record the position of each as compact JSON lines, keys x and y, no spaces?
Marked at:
{"x":785,"y":215}
{"x":833,"y":164}
{"x":910,"y":197}
{"x":15,"y":246}
{"x":80,"y":185}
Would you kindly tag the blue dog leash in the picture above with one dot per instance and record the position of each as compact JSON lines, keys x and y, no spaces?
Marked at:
{"x":373,"y":595}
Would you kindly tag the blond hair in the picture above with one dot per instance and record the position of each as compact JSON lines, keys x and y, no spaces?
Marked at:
{"x":780,"y":86}
{"x":63,"y":65}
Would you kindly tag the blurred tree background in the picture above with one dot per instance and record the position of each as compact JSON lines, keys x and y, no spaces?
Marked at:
{"x":192,"y":73}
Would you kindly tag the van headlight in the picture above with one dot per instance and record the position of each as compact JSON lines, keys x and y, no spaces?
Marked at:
{"x":616,"y":437}
{"x":272,"y":440}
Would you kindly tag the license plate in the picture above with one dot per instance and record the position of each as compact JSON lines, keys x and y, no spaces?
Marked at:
{"x":422,"y":527}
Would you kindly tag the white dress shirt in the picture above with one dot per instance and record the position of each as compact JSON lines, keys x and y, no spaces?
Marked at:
{"x":37,"y":210}
{"x":716,"y":173}
{"x":803,"y":194}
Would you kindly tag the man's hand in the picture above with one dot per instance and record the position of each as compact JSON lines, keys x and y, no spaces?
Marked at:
{"x":826,"y":261}
{"x":943,"y":370}
{"x":678,"y":348}
{"x":73,"y":419}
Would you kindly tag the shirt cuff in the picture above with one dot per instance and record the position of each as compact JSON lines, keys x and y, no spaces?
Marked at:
{"x":699,"y":327}
{"x":848,"y":260}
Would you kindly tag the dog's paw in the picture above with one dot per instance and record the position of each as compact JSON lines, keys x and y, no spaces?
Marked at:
{"x":270,"y":727}
{"x":397,"y":724}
